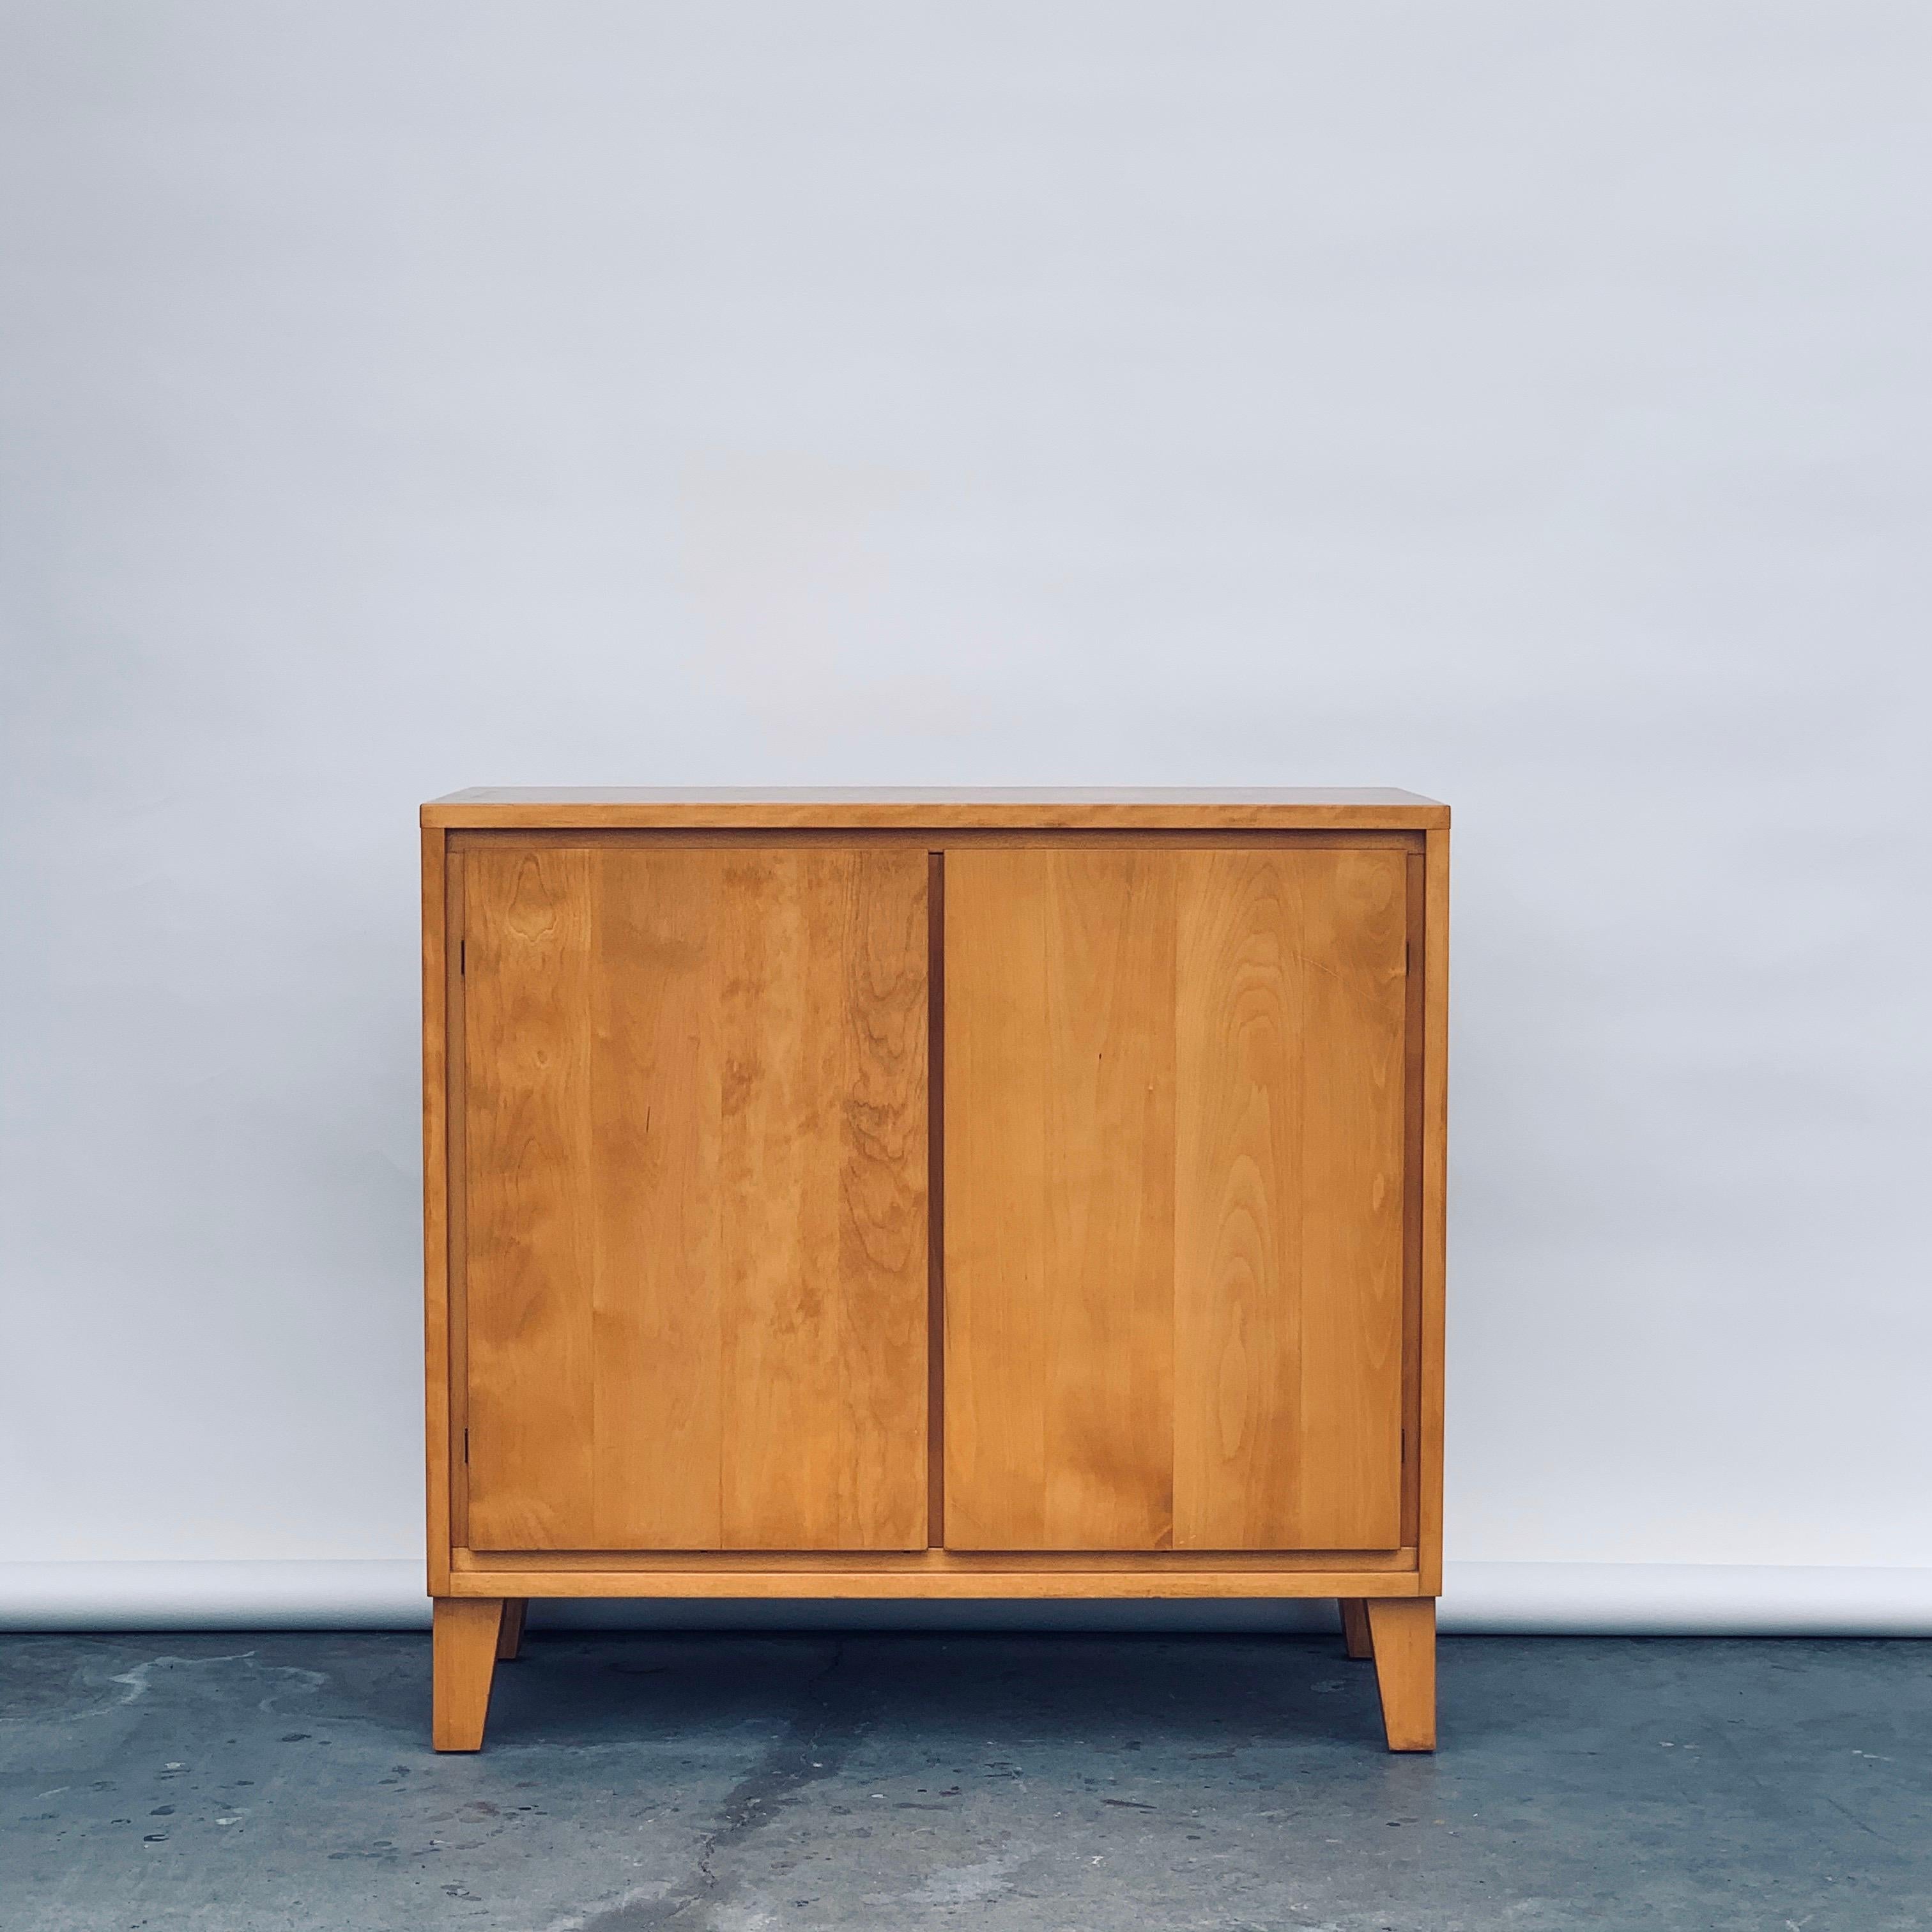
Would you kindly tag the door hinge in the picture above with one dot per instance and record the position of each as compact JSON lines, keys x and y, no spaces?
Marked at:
{"x":465,"y":1446}
{"x":1408,"y":957}
{"x":462,"y":958}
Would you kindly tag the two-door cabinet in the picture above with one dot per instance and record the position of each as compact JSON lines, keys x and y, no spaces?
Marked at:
{"x":934,"y":1194}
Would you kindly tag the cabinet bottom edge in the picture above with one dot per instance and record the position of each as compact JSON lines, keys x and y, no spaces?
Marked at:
{"x":912,"y":1585}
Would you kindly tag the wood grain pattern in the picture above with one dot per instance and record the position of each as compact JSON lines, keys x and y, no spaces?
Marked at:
{"x":1415,"y":1041}
{"x":530,"y":1182}
{"x":579,"y":807}
{"x":510,"y":1631}
{"x":1402,"y":1636}
{"x":1150,"y":1582}
{"x":1350,"y":974}
{"x":935,"y":1174}
{"x":1434,"y":1214}
{"x":440,"y":1530}
{"x":1060,"y":1200}
{"x":1395,"y":1567}
{"x":1174,"y":1237}
{"x":463,"y":1653}
{"x":688,"y":1121}
{"x":697,"y":1271}
{"x":454,"y":1438}
{"x":1357,"y":1638}
{"x":923,"y":837}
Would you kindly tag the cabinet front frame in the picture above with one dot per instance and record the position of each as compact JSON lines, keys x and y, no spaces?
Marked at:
{"x":1414,"y":1569}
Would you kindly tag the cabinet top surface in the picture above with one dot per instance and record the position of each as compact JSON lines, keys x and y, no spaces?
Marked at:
{"x":619,"y":807}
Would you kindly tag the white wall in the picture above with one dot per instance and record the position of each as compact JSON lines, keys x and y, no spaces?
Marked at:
{"x":1526,"y":404}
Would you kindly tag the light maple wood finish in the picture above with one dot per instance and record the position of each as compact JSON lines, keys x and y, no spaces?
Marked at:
{"x":1174,"y":1243}
{"x":1395,"y":1569}
{"x":1433,"y":1220}
{"x":455,"y":1437}
{"x":704,"y":1577}
{"x":1414,"y":1040}
{"x":463,"y":1641}
{"x":1356,"y":1638}
{"x":510,"y":1633}
{"x":1403,"y":1635}
{"x":578,"y":808}
{"x":932,"y":840}
{"x":1290,"y":1003}
{"x":437,"y":1167}
{"x":660,"y":1365}
{"x":1059,"y":1241}
{"x":935,"y":1269}
{"x":697,"y":1293}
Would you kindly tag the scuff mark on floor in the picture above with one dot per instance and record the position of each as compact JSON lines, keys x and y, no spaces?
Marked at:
{"x":812,"y":1750}
{"x":974,"y":1884}
{"x":138,"y":1681}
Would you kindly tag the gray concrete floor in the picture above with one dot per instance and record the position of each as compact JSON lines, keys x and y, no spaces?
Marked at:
{"x":254,"y":1784}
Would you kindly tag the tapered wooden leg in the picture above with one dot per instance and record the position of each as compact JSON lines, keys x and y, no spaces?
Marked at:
{"x":1355,"y":1627}
{"x":1402,"y":1629}
{"x":463,"y":1642}
{"x":510,"y":1636}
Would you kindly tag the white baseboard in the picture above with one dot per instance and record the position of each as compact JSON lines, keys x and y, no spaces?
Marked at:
{"x":383,"y":1595}
{"x":1527,"y":1599}
{"x":1685,"y":1600}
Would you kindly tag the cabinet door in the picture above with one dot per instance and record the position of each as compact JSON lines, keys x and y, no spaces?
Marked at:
{"x":694,"y":1153}
{"x":1174,"y":1198}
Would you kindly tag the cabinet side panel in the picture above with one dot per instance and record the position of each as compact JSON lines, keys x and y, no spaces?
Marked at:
{"x":456,"y":1200}
{"x":530,"y":1188}
{"x":1059,"y":1199}
{"x":935,"y":1204}
{"x":436,"y":1219}
{"x":1434,"y":1195}
{"x":1414,"y":1035}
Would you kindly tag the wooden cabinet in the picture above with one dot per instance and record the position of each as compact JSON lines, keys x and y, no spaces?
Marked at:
{"x":948,"y":1194}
